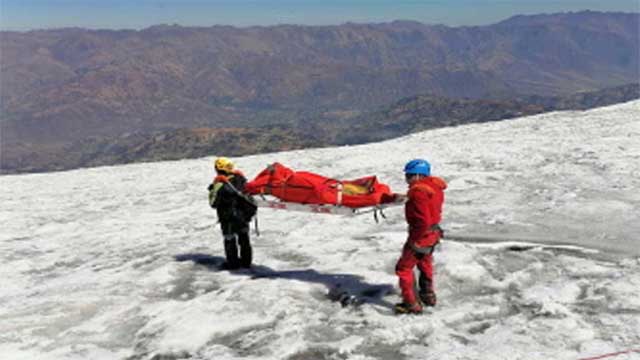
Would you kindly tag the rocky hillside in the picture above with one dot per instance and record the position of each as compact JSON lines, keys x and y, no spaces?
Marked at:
{"x":427,"y":112}
{"x":404,"y":117}
{"x":64,"y":85}
{"x":168,"y":145}
{"x":72,"y":97}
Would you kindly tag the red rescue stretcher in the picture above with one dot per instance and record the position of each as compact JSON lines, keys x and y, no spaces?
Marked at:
{"x":310,"y":192}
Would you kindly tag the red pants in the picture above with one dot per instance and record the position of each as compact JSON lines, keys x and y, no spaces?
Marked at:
{"x":404,"y":270}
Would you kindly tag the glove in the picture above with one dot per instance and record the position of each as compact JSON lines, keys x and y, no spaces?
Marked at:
{"x":392,"y":198}
{"x":387,"y":198}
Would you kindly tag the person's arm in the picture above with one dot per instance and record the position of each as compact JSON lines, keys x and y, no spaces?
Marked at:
{"x":418,"y":215}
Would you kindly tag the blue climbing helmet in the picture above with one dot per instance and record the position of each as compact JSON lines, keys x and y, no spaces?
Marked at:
{"x":418,"y":166}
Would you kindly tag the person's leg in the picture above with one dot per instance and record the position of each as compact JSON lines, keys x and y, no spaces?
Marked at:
{"x":246,"y":253}
{"x":404,"y":270}
{"x":230,"y":245}
{"x":425,"y":282}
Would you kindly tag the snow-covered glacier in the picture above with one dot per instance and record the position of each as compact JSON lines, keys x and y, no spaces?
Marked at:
{"x":542,"y":259}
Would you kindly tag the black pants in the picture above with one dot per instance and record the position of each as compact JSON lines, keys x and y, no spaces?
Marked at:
{"x":236,"y":235}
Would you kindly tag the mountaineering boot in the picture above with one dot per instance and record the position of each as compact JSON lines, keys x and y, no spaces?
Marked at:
{"x":405,"y":308}
{"x":347,"y":299}
{"x":426,"y":294}
{"x":428,"y":298}
{"x":344,"y":297}
{"x":231,"y":252}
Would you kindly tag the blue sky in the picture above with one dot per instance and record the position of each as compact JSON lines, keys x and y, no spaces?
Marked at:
{"x":136,"y":14}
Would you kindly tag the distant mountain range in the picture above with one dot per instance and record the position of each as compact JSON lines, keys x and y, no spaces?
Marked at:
{"x":61,"y":88}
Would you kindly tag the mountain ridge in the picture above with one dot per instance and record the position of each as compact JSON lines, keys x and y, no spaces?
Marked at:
{"x":61,"y":87}
{"x":207,"y":76}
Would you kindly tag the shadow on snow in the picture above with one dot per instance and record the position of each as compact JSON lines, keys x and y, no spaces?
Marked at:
{"x":348,"y":289}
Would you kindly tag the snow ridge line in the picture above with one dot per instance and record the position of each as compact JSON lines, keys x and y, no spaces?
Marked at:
{"x":604,"y":356}
{"x":514,"y":239}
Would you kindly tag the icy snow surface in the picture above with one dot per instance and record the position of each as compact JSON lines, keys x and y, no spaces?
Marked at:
{"x":123,"y":262}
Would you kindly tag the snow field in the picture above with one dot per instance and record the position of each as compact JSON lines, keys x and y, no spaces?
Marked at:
{"x":124,"y":262}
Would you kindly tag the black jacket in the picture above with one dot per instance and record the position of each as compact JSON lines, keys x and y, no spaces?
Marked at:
{"x":228,"y":203}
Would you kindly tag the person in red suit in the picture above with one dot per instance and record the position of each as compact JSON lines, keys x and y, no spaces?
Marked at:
{"x":423,"y":212}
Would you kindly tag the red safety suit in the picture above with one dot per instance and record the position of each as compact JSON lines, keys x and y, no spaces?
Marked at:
{"x":423,"y":212}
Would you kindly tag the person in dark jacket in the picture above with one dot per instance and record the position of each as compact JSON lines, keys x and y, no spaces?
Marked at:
{"x":225,"y":195}
{"x":423,"y":212}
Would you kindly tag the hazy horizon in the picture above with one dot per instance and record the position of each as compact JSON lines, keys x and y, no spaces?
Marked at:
{"x":27,"y":15}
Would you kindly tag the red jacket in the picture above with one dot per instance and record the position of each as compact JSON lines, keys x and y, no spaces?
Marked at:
{"x":424,"y":210}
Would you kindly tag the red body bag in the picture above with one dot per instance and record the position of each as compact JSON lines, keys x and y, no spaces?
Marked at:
{"x":309,"y":188}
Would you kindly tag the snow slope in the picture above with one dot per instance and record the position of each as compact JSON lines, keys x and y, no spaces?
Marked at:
{"x":124,"y":262}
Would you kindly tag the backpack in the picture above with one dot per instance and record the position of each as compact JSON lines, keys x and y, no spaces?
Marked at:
{"x":246,"y":206}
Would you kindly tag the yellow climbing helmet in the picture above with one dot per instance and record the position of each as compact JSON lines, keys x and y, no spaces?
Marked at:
{"x":224,"y":164}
